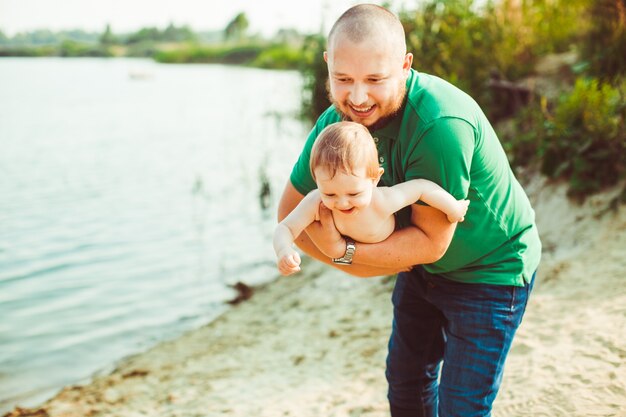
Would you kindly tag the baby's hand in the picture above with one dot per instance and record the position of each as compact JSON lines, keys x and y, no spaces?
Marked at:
{"x":288,"y":262}
{"x":459,"y":212}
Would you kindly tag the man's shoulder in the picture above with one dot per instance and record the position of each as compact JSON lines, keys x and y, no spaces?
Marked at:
{"x":430,"y":98}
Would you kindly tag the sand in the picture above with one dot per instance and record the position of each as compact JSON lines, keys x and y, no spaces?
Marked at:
{"x":315,"y":345}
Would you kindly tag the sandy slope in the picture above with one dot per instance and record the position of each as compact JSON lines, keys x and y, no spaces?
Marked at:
{"x":315,"y":345}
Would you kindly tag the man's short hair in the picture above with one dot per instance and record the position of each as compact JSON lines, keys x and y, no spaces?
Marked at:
{"x":361,"y":22}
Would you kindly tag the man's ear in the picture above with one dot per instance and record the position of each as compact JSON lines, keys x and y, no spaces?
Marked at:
{"x":381,"y":171}
{"x":407,"y":63}
{"x":326,"y":56}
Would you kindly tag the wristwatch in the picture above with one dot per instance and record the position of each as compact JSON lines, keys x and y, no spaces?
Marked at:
{"x":346,"y":259}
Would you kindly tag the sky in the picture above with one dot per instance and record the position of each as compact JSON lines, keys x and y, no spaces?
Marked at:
{"x":265,"y":16}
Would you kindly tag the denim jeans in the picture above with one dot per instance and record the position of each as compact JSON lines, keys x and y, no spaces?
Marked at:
{"x":469,"y":327}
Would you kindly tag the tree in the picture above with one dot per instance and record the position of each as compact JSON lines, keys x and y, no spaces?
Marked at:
{"x":107,"y":38}
{"x":236,"y":28}
{"x":315,"y":74}
{"x":604,"y":46}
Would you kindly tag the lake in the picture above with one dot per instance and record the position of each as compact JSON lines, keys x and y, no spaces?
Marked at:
{"x":129,"y":202}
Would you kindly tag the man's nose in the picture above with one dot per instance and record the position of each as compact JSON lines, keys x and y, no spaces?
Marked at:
{"x":358,"y":95}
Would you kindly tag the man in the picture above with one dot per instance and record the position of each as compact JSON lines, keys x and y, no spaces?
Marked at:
{"x":464,"y":304}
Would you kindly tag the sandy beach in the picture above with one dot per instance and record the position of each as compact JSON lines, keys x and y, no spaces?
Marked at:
{"x":314,"y":344}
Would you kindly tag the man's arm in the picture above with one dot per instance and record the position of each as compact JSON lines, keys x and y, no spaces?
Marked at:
{"x":423,"y":243}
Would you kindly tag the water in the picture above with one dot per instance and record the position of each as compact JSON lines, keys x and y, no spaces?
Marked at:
{"x":128,"y":202}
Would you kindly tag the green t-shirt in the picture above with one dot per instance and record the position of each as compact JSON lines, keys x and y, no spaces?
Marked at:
{"x":442,"y":135}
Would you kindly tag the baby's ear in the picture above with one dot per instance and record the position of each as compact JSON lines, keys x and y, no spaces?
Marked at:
{"x":381,"y":171}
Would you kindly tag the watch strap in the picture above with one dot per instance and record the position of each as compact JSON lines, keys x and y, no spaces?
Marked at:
{"x":346,"y":259}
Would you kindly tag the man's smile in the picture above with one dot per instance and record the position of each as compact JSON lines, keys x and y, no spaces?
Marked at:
{"x":363,"y":111}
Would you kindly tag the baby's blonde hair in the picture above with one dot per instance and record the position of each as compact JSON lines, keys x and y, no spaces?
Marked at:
{"x":345,"y":146}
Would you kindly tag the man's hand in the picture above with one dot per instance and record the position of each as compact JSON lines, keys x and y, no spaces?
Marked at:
{"x":325,"y":235}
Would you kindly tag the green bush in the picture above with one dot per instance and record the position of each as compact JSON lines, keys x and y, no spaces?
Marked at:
{"x":604,"y":45}
{"x":447,"y":39}
{"x":582,"y":139}
{"x":71,"y":49}
{"x":240,"y":55}
{"x":586,"y":139}
{"x":29,"y":51}
{"x":315,"y":75}
{"x":468,"y":45}
{"x":278,"y":57}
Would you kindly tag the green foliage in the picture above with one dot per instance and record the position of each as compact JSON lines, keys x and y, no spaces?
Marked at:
{"x":468,"y":45}
{"x":144,"y":49}
{"x":315,"y":76}
{"x":582,"y":139}
{"x":240,"y":55}
{"x":154,"y":35}
{"x":32,"y":51}
{"x":278,"y":57}
{"x":178,"y":34}
{"x":521,"y":141}
{"x":77,"y":49}
{"x":236,"y":28}
{"x":604,"y":46}
{"x":44,"y":37}
{"x":107,"y":38}
{"x":447,"y":40}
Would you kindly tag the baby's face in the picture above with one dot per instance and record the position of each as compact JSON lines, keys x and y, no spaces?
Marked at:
{"x":345,"y":193}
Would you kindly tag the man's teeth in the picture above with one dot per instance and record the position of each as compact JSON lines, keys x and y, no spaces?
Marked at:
{"x":362,"y":109}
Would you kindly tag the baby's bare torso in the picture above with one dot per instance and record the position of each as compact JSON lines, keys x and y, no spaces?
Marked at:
{"x":367,"y":224}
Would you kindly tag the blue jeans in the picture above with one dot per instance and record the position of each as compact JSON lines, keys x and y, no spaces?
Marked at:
{"x":469,"y":327}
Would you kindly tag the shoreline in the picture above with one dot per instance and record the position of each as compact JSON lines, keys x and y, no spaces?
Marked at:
{"x":314,"y":344}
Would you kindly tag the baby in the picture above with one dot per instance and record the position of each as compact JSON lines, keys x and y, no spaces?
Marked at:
{"x":344,"y":165}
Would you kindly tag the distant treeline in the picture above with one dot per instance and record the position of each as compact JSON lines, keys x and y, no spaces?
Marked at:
{"x":232,"y":45}
{"x":45,"y":37}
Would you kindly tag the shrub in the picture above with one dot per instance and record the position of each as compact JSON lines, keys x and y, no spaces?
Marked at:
{"x":586,"y":139}
{"x":582,"y":139}
{"x":315,"y":75}
{"x":604,"y":45}
{"x":278,"y":57}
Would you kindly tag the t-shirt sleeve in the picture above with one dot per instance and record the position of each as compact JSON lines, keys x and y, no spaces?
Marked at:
{"x":443,"y":154}
{"x":301,"y":177}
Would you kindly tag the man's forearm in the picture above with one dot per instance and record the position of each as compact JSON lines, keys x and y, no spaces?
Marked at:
{"x":363,"y":271}
{"x":403,"y":249}
{"x":423,"y":243}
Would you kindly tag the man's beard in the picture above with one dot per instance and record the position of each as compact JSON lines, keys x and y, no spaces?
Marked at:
{"x":383,"y":120}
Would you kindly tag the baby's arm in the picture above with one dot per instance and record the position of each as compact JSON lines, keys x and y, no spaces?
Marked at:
{"x":290,"y":228}
{"x":406,"y":193}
